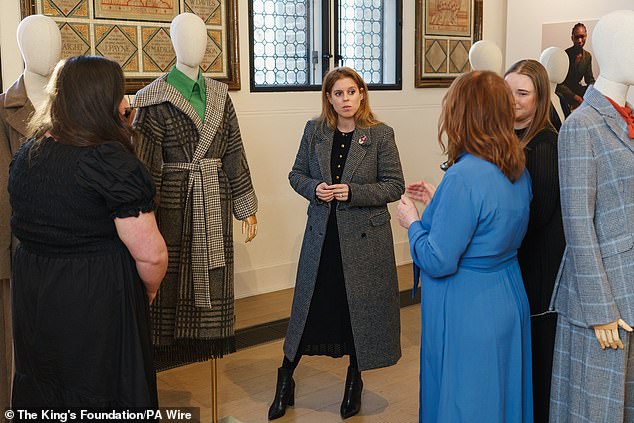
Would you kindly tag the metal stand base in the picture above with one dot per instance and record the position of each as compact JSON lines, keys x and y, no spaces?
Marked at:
{"x":214,"y":397}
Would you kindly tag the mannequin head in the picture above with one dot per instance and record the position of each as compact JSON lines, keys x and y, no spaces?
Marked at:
{"x":556,"y":62}
{"x":486,"y":55}
{"x":189,"y":38}
{"x":40,"y":43}
{"x":612,"y":36}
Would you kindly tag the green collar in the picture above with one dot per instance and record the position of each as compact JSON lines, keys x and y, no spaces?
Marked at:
{"x":193,"y":91}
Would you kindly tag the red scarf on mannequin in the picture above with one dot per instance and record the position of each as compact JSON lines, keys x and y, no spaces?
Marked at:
{"x":626,"y":112}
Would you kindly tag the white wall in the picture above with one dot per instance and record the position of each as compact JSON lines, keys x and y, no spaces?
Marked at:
{"x":525,"y":19}
{"x":272,"y":125}
{"x":11,"y":60}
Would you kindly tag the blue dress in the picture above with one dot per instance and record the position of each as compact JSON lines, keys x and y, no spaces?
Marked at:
{"x":475,"y":358}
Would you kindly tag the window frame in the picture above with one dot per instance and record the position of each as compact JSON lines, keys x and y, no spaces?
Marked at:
{"x":330,"y":59}
{"x":398,"y":85}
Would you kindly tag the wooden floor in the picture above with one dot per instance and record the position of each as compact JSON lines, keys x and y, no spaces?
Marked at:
{"x":276,"y":305}
{"x":247,"y":384}
{"x":247,"y":378}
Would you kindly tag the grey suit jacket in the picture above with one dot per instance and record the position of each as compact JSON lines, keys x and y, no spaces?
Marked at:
{"x":596,"y":176}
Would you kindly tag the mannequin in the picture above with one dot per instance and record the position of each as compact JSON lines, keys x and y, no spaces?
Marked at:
{"x":486,"y":55}
{"x":190,"y":141}
{"x":556,"y":63}
{"x":594,"y":298}
{"x":40,"y":43}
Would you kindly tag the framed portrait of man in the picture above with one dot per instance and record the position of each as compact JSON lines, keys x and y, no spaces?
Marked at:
{"x":445,"y":31}
{"x":135,"y":33}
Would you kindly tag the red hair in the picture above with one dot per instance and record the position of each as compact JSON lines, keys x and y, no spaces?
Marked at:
{"x":477,"y":117}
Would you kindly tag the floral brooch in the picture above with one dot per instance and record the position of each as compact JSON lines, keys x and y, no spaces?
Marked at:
{"x":362,"y":140}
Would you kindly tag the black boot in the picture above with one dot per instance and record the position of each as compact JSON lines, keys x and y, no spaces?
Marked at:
{"x":284,"y":393}
{"x":351,"y":403}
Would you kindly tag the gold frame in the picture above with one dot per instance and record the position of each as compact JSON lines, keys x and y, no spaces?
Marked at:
{"x":424,"y":81}
{"x":133,"y":84}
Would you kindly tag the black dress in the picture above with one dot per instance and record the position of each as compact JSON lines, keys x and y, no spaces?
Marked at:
{"x":539,"y":258}
{"x":80,"y":313}
{"x":328,"y":330}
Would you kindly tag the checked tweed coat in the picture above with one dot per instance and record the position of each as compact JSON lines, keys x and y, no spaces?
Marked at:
{"x":373,"y":172}
{"x":596,"y":281}
{"x":202,"y":178}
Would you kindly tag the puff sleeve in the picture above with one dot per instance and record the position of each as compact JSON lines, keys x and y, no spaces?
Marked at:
{"x":119,"y":177}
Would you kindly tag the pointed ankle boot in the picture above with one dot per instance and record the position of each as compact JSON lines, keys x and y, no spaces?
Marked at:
{"x":351,"y":403}
{"x":284,"y":393}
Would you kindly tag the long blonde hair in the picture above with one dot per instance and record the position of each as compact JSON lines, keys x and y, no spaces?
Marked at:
{"x":364,"y":117}
{"x":539,"y":77}
{"x":477,"y":117}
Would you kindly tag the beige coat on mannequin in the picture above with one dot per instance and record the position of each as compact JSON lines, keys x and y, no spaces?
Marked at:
{"x":40,"y":43}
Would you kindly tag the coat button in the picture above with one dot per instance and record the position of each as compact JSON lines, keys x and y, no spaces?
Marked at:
{"x":363,"y":235}
{"x":310,"y":228}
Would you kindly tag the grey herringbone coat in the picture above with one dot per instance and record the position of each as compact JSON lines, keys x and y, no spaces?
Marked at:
{"x":373,"y":172}
{"x":596,"y":282}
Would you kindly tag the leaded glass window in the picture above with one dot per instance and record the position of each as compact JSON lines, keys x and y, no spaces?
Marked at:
{"x":281,"y":49}
{"x":361,"y":37}
{"x":294,"y":42}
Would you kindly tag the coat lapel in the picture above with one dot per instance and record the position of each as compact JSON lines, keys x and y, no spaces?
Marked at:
{"x":19,"y":108}
{"x":619,"y":127}
{"x":358,"y":147}
{"x":323,"y":148}
{"x":159,"y":91}
{"x":612,"y":118}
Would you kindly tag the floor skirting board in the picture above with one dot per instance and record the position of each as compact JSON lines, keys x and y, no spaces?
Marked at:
{"x":272,"y":331}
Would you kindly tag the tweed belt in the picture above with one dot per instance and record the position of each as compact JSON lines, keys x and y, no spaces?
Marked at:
{"x":203,"y":199}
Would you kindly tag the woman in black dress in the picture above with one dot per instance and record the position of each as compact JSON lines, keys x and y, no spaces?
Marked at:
{"x":346,"y":295}
{"x":90,"y":258}
{"x":544,"y":243}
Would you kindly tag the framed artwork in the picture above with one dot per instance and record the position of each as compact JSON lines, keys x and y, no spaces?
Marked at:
{"x":135,"y":33}
{"x":445,"y":31}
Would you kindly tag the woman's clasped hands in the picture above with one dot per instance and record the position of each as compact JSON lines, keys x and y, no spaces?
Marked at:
{"x":327,"y":193}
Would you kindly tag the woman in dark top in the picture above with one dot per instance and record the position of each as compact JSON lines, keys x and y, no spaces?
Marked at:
{"x":90,"y":258}
{"x":346,"y":294}
{"x":543,"y":246}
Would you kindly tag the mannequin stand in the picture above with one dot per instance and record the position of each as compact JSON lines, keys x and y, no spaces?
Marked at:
{"x":214,"y":396}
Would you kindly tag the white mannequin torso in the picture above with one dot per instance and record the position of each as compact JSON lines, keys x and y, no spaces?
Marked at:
{"x":556,"y":62}
{"x":40,"y":43}
{"x":189,"y":38}
{"x":486,"y":55}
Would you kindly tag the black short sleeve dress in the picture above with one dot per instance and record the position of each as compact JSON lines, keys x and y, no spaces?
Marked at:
{"x":80,"y":313}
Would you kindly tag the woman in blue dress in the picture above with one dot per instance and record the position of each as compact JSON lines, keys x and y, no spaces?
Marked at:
{"x":475,"y":357}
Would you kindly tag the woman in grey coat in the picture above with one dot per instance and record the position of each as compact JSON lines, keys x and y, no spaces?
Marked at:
{"x":346,"y":293}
